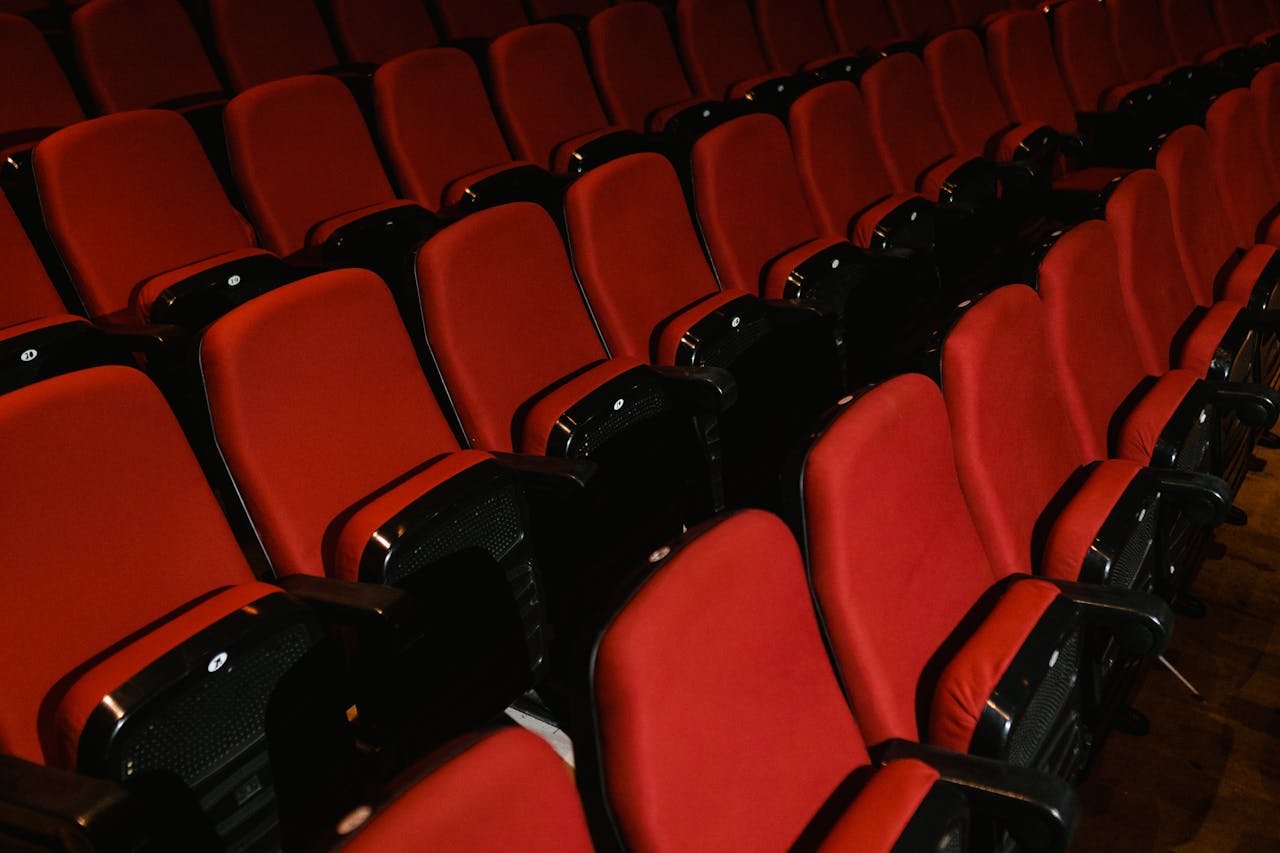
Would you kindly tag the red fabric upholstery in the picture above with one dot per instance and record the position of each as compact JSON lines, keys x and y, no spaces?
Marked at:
{"x":1089,"y":335}
{"x":295,"y":380}
{"x":1086,"y":54}
{"x":922,"y":19}
{"x":149,"y":177}
{"x":435,"y":123}
{"x":635,"y":62}
{"x":748,"y":198}
{"x":703,"y":628}
{"x":635,"y":250}
{"x":468,"y":19}
{"x":543,"y":91}
{"x":874,"y":822}
{"x":26,"y":291}
{"x":971,"y":676}
{"x":793,"y":32}
{"x":1015,"y":445}
{"x":1242,"y":21}
{"x":861,"y":25}
{"x":1150,"y":416}
{"x":719,"y":45}
{"x":1191,"y":28}
{"x":140,"y":53}
{"x":889,"y":597}
{"x":36,"y":93}
{"x":1143,"y":47}
{"x":359,"y":528}
{"x":377,"y":31}
{"x":904,"y":119}
{"x":260,"y":42}
{"x":837,"y":159}
{"x":490,"y":284}
{"x":466,"y":803}
{"x":1076,"y":526}
{"x":302,"y":154}
{"x":1020,"y":55}
{"x":966,"y":98}
{"x":91,"y":686}
{"x":1265,"y":89}
{"x":1157,"y":296}
{"x":539,"y":424}
{"x":1240,"y":166}
{"x":1202,"y":225}
{"x":1246,"y":273}
{"x":102,"y":446}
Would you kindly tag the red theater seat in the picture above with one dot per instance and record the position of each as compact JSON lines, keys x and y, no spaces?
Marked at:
{"x":795,"y":37}
{"x":722,"y":53}
{"x":860,"y":26}
{"x":156,"y":230}
{"x":923,"y":19}
{"x":479,"y":19}
{"x":305,"y":190}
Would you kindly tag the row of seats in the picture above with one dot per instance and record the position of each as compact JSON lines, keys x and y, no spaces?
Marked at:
{"x":437,"y":562}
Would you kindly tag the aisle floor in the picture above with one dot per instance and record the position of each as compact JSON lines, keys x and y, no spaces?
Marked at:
{"x":1207,"y":778}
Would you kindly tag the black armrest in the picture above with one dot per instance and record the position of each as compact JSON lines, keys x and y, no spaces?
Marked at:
{"x":707,"y":390}
{"x":1256,"y":405}
{"x":549,"y":473}
{"x":602,"y":149}
{"x":1267,"y":320}
{"x":56,"y":810}
{"x":1140,"y":621}
{"x":381,"y":241}
{"x":1040,"y":811}
{"x":153,"y":341}
{"x":1204,"y":498}
{"x":519,"y":183}
{"x":1073,"y":143}
{"x":376,"y":612}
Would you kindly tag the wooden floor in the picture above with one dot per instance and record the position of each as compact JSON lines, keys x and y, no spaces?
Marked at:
{"x":1207,"y":778}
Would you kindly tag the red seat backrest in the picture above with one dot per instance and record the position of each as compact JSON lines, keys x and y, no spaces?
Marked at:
{"x":503,"y":315}
{"x":719,"y":45}
{"x":1240,"y":165}
{"x":1020,"y":56}
{"x":479,"y":19}
{"x":302,"y":154}
{"x":1015,"y":443}
{"x":637,"y":69}
{"x":904,"y":118}
{"x":635,"y":249}
{"x":435,"y":122}
{"x":306,"y":373}
{"x":922,"y":19}
{"x":1142,"y":42}
{"x":542,"y":89}
{"x":1086,"y":54}
{"x":137,"y":533}
{"x":889,"y":598}
{"x":963,"y":91}
{"x":860,"y":25}
{"x":36,"y":94}
{"x":1191,"y":28}
{"x":793,"y":32}
{"x":836,"y":155}
{"x":26,"y":292}
{"x":129,"y":196}
{"x":140,"y":53}
{"x":748,"y":198}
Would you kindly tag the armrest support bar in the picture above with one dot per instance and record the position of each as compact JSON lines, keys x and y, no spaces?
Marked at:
{"x":549,"y":473}
{"x":1205,"y":498}
{"x":1141,"y":622}
{"x":1256,"y":405}
{"x":376,"y":612}
{"x":1040,"y":811}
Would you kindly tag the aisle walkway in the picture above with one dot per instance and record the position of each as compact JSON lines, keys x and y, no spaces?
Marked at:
{"x":1207,"y":778}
